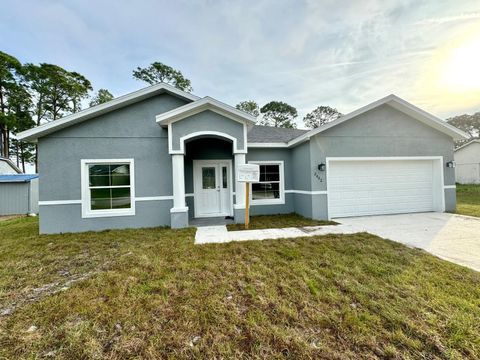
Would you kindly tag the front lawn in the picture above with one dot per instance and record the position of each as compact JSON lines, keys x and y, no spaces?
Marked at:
{"x":468,"y":200}
{"x":278,"y":221}
{"x":152,"y":294}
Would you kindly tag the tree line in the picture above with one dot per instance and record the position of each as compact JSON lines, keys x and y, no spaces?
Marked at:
{"x":280,"y":114}
{"x":34,"y":94}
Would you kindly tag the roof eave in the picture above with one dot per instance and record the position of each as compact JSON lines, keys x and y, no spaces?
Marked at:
{"x":397,"y":103}
{"x":122,"y":101}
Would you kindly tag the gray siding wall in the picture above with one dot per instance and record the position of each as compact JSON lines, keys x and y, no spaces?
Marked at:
{"x":130,"y":132}
{"x":369,"y":135}
{"x":14,"y":198}
{"x":301,"y":164}
{"x":207,"y":121}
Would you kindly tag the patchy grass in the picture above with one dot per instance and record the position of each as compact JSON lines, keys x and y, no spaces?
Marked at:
{"x":278,"y":221}
{"x":468,"y":200}
{"x":159,"y":296}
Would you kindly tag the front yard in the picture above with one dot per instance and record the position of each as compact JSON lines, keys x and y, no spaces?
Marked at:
{"x":151,"y":293}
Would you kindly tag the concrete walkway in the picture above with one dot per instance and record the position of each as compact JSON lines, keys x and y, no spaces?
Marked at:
{"x":220,"y":234}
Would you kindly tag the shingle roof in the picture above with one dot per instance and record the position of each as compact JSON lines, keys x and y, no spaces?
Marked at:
{"x":269,"y":134}
{"x":17,"y":178}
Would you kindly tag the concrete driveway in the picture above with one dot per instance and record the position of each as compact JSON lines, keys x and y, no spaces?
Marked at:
{"x":451,"y":237}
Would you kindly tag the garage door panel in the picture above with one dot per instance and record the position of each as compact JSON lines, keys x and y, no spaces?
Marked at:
{"x":380,"y":187}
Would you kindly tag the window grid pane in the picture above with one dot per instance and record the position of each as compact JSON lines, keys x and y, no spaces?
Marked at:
{"x":268,"y":188}
{"x":109,"y":186}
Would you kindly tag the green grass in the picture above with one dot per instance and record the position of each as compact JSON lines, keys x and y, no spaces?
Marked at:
{"x":156,"y":296}
{"x":468,"y":200}
{"x":278,"y":221}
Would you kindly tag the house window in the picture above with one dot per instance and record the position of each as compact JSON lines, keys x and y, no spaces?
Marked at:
{"x":270,"y":188}
{"x":107,"y":188}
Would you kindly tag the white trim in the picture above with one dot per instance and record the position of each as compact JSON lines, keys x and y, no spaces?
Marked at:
{"x":450,"y":186}
{"x":200,"y":133}
{"x":438,"y":159}
{"x":137,"y":199}
{"x":189,"y":195}
{"x":59,"y":202}
{"x":86,"y":211}
{"x":197,"y":163}
{"x":398,"y":104}
{"x":279,"y":201}
{"x":240,"y":159}
{"x":178,"y":181}
{"x":467,"y":144}
{"x":305,"y":192}
{"x":154,"y":198}
{"x":179,"y":210}
{"x":268,"y":145}
{"x":101,"y":109}
{"x":206,"y":103}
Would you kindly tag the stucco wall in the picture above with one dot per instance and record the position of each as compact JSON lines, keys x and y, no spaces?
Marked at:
{"x":207,"y":121}
{"x":130,"y":132}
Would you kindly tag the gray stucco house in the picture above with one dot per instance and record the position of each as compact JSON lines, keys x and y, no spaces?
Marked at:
{"x":161,"y":156}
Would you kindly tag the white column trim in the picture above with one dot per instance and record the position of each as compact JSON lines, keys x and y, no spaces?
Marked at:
{"x":178,"y":182}
{"x":239,"y":186}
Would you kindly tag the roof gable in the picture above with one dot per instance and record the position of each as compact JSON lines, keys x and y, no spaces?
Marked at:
{"x":92,"y":112}
{"x":206,"y":103}
{"x":7,"y":167}
{"x":398,"y":104}
{"x":467,"y":144}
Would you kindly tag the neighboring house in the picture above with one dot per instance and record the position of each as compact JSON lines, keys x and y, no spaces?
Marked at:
{"x":7,"y":167}
{"x":467,"y":159}
{"x":161,"y":156}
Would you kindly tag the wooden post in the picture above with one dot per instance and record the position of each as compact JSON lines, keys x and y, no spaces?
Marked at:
{"x":247,"y":204}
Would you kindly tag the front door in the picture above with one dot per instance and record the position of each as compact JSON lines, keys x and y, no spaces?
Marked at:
{"x":212,"y":188}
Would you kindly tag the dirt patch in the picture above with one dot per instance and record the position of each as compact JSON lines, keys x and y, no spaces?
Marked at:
{"x":44,"y":291}
{"x":9,"y":217}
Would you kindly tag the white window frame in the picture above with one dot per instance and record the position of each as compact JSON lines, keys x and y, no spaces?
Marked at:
{"x":87,"y":212}
{"x":281,"y":187}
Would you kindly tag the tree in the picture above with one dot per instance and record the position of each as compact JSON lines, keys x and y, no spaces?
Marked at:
{"x":278,"y":114}
{"x":468,"y":123}
{"x":158,"y":72}
{"x":10,"y":96}
{"x":55,"y":92}
{"x":102,"y":96}
{"x":250,"y":107}
{"x":24,"y":152}
{"x":321,"y":116}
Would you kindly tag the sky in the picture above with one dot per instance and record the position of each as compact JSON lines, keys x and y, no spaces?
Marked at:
{"x":343,"y":54}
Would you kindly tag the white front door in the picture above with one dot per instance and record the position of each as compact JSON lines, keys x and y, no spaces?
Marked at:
{"x":212,"y":188}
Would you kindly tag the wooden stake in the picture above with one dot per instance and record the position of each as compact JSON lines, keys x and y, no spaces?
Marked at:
{"x":247,"y":204}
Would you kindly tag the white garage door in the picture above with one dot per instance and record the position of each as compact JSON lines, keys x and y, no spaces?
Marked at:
{"x":374,"y":187}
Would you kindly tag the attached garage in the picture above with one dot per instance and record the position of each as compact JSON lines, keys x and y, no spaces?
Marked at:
{"x":374,"y":186}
